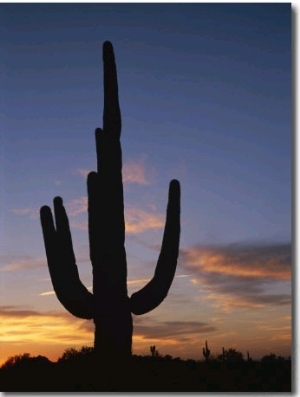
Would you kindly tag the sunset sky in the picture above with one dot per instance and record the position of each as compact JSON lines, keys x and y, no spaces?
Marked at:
{"x":205,"y":96}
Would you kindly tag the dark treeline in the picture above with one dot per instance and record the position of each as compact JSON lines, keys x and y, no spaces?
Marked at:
{"x":80,"y":371}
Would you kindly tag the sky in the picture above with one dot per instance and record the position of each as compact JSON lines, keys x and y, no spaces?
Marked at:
{"x":205,"y":95}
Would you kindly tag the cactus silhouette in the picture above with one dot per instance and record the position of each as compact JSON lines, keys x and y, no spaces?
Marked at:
{"x":109,"y":305}
{"x":206,"y":351}
{"x":153,"y":350}
{"x":223,"y":354}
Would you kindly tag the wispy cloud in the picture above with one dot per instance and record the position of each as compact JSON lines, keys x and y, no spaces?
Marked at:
{"x":77,"y":206}
{"x":83,"y":172}
{"x":48,"y":333}
{"x":26,"y":329}
{"x":143,"y":281}
{"x":179,"y":331}
{"x":133,"y":171}
{"x":32,"y":213}
{"x":236,"y":276}
{"x":83,"y":225}
{"x":52,"y":292}
{"x":138,"y":220}
{"x":23,"y":327}
{"x":262,"y":262}
{"x":15,"y":263}
{"x":47,"y":293}
{"x":148,"y":329}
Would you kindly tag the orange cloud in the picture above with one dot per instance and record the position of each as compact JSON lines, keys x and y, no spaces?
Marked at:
{"x":26,"y":330}
{"x":227,"y":302}
{"x":135,"y":172}
{"x":52,"y":292}
{"x":235,"y":277}
{"x":142,"y":281}
{"x":23,"y":325}
{"x":50,"y":333}
{"x":137,"y":220}
{"x":23,"y":329}
{"x":248,"y":262}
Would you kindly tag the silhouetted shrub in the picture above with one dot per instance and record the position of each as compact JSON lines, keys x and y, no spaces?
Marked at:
{"x":73,"y":354}
{"x":269,"y":358}
{"x":76,"y":371}
{"x":231,"y":355}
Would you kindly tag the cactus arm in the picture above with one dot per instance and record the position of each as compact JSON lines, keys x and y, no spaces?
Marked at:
{"x":149,"y":297}
{"x":62,"y":264}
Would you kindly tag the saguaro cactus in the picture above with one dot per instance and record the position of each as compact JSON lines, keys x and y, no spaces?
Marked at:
{"x":153,"y":350}
{"x":223,"y":354}
{"x":109,"y":305}
{"x":206,"y":351}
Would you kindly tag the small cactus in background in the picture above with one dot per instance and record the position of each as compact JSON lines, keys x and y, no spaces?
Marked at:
{"x":152,"y":349}
{"x":109,"y":305}
{"x":206,"y":351}
{"x":154,"y":352}
{"x":223,"y":354}
{"x":248,"y":356}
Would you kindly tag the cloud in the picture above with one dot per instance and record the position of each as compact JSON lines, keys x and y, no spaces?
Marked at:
{"x":74,"y":207}
{"x":47,"y":293}
{"x":15,"y":263}
{"x":237,"y":276}
{"x":178,"y":331}
{"x":138,"y":220}
{"x":149,"y":329}
{"x":248,"y":300}
{"x":262,"y":262}
{"x":33,"y":213}
{"x":19,"y":311}
{"x":138,"y":281}
{"x":83,"y":172}
{"x":52,"y":292}
{"x":133,"y":171}
{"x":77,"y":206}
{"x":22,"y":326}
{"x":141,"y":281}
{"x":79,"y":225}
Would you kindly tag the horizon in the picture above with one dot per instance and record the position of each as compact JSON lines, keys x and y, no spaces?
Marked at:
{"x":205,"y":97}
{"x":212,"y":356}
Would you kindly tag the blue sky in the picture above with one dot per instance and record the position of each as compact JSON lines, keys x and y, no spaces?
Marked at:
{"x":205,"y":96}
